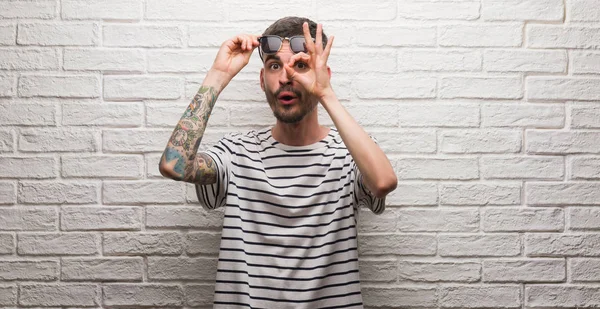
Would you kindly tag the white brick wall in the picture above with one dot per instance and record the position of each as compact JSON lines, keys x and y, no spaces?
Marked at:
{"x":489,"y":111}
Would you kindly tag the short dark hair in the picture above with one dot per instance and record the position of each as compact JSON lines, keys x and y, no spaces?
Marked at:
{"x":292,"y":25}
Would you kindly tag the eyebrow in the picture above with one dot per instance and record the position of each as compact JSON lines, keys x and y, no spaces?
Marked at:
{"x":269,"y":57}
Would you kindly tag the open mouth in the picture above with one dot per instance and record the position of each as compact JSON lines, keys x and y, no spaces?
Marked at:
{"x":287,"y":97}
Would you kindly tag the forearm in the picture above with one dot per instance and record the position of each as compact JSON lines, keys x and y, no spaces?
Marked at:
{"x":377,"y":172}
{"x":180,"y":160}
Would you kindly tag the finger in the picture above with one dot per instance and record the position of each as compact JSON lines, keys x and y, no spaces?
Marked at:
{"x":328,"y":47}
{"x":310,"y":46}
{"x":319,"y":39}
{"x":297,"y":57}
{"x":289,"y":71}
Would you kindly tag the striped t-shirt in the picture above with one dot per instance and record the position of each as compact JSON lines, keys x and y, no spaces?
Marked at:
{"x":289,"y":236}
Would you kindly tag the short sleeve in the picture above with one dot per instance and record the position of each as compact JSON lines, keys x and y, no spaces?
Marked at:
{"x":215,"y":195}
{"x":362,"y":195}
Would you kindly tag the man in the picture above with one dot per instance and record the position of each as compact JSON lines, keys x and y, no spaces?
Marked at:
{"x":291,"y":192}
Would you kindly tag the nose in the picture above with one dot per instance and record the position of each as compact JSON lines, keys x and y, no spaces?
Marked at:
{"x":285,"y":78}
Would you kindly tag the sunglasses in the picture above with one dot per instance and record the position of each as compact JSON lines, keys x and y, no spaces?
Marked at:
{"x":271,"y":44}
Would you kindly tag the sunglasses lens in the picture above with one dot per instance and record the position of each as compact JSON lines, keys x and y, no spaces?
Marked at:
{"x":270,"y":44}
{"x":298,"y":44}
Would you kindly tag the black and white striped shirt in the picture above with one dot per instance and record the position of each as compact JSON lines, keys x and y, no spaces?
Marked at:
{"x":289,"y":236}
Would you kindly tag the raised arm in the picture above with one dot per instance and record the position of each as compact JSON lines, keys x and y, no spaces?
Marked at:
{"x":180,"y":160}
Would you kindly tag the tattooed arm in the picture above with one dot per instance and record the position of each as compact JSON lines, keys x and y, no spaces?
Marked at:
{"x":180,"y":160}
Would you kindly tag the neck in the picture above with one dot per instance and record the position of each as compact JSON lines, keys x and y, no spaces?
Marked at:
{"x":305,"y":132}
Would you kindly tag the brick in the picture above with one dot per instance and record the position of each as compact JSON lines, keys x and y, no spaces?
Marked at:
{"x":477,"y":194}
{"x":264,"y":10}
{"x":8,"y":34}
{"x":358,"y":61}
{"x":439,"y":60}
{"x":197,"y":295}
{"x":583,"y":218}
{"x":500,"y":296}
{"x":202,"y":243}
{"x":142,"y":36}
{"x":585,"y":116}
{"x":378,"y":270}
{"x":8,"y":295}
{"x":44,"y":9}
{"x":434,"y":169}
{"x":553,"y":36}
{"x":572,"y":296}
{"x":585,"y":168}
{"x":152,"y":161}
{"x":510,"y":35}
{"x":213,"y":35}
{"x":100,"y":218}
{"x":523,"y":115}
{"x":104,"y":59}
{"x":142,"y":87}
{"x":28,"y":219}
{"x":381,"y":244}
{"x":439,"y":10}
{"x":159,"y":114}
{"x":481,"y":87}
{"x":179,"y":268}
{"x":252,"y":115}
{"x":129,"y":167}
{"x":53,"y":34}
{"x":192,"y":61}
{"x":394,"y":87}
{"x":525,"y":61}
{"x":406,"y":141}
{"x":25,"y":59}
{"x":585,"y":62}
{"x":523,"y":219}
{"x":561,"y":245}
{"x":442,"y":220}
{"x":182,"y":217}
{"x":27,"y":114}
{"x":57,"y":244}
{"x":8,"y":193}
{"x":28,"y":167}
{"x":583,"y":10}
{"x":102,"y":269}
{"x":187,"y":10}
{"x":560,"y":194}
{"x":438,"y":115}
{"x":370,"y":222}
{"x":480,"y":141}
{"x":66,"y":295}
{"x":512,"y":10}
{"x":102,"y":9}
{"x":479,"y":245}
{"x":143,"y":192}
{"x":146,"y":295}
{"x":343,"y":10}
{"x":7,"y":85}
{"x":33,"y":270}
{"x":538,"y":167}
{"x":396,"y":36}
{"x":524,"y":270}
{"x":57,"y":140}
{"x":562,"y":142}
{"x":409,"y":297}
{"x":239,"y":88}
{"x":381,"y":115}
{"x":434,"y":271}
{"x":7,"y":244}
{"x":584,"y":270}
{"x":58,"y":193}
{"x":142,"y":243}
{"x":557,"y":88}
{"x":417,"y":194}
{"x":103,"y":114}
{"x":135,"y":141}
{"x":67,"y":86}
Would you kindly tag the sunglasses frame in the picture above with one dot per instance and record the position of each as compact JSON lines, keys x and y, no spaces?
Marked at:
{"x":289,"y":39}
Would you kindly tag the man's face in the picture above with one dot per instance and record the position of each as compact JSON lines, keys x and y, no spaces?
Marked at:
{"x":289,"y":101}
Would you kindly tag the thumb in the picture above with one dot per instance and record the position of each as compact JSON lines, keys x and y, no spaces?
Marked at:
{"x":291,"y":73}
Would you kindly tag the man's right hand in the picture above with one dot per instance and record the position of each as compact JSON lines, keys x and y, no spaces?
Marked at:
{"x":234,"y":55}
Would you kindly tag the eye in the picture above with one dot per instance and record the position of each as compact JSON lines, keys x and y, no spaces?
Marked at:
{"x":301,"y":65}
{"x":274,"y":66}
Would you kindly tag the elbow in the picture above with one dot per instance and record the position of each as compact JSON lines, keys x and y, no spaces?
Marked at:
{"x":168,"y":172}
{"x":385,"y":186}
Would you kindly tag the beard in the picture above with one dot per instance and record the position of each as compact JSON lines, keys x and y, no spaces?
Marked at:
{"x":290,"y":113}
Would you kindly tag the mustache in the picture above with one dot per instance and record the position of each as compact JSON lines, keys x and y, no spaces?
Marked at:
{"x":288,"y":88}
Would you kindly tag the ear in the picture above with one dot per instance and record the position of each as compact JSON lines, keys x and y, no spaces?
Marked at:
{"x":262,"y":81}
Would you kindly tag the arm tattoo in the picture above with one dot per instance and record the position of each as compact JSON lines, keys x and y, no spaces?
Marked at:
{"x":181,"y":152}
